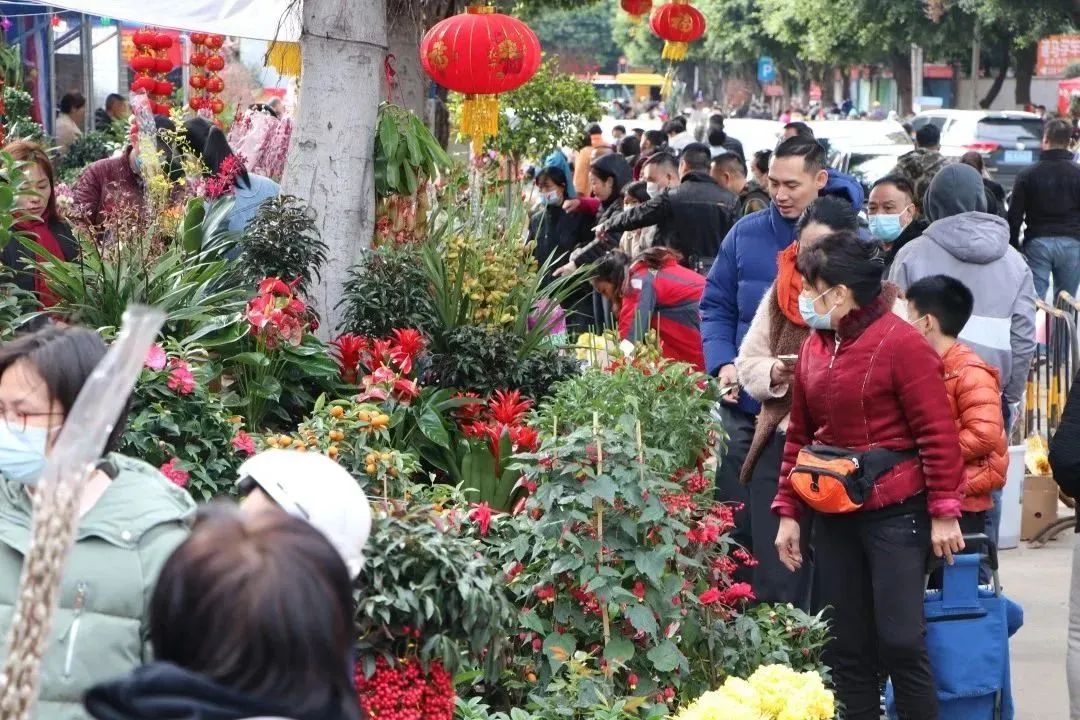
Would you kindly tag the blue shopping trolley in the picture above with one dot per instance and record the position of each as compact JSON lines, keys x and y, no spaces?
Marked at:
{"x":967,"y":636}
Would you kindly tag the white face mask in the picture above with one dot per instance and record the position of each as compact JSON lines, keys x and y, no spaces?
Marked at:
{"x":653,"y":189}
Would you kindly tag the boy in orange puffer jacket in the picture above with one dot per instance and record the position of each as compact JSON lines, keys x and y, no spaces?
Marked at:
{"x":939,"y":306}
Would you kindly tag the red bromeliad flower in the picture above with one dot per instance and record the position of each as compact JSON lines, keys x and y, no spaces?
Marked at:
{"x":481,"y":515}
{"x":524,"y":438}
{"x":348,"y":351}
{"x":508,"y":408}
{"x":408,"y":344}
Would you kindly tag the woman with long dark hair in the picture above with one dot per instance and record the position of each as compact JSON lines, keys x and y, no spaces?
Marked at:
{"x":227,"y":171}
{"x":653,"y":293}
{"x":251,"y":617}
{"x":872,"y":447}
{"x":38,"y":218}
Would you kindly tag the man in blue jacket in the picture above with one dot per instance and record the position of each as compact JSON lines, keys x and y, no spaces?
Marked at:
{"x":743,"y":271}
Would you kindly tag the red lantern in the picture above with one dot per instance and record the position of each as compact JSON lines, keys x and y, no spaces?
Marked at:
{"x":144,"y":83}
{"x":142,"y":63}
{"x":164,"y":87}
{"x":198,"y":59}
{"x":163,"y":41}
{"x":162,"y":65}
{"x":197,"y":81}
{"x":196,"y":103}
{"x":215,"y":63}
{"x":142,"y":38}
{"x":678,"y":23}
{"x":480,"y":53}
{"x":217,"y":106}
{"x":198,"y":38}
{"x":215,"y":84}
{"x":636,"y":8}
{"x":214,"y":41}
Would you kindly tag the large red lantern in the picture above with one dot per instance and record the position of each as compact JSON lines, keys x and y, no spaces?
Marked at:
{"x":636,"y":8}
{"x":480,"y":53}
{"x":678,"y":23}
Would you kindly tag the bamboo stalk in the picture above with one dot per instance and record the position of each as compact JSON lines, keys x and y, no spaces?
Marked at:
{"x":598,"y":505}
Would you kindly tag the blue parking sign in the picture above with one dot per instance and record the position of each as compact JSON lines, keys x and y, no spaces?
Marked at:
{"x":766,"y":71}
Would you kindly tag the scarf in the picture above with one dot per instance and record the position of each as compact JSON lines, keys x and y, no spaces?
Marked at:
{"x":789,"y":284}
{"x":42,"y":236}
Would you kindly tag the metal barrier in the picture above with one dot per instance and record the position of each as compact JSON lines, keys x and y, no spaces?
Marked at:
{"x":1053,"y":368}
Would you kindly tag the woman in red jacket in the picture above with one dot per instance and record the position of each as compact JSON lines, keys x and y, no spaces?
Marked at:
{"x":654,"y":292}
{"x":866,"y":380}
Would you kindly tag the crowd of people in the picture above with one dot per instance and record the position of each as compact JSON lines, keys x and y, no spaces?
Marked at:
{"x":872,"y":353}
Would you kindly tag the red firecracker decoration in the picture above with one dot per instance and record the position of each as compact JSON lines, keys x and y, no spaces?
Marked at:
{"x":678,"y":23}
{"x":636,"y":9}
{"x":152,"y":65}
{"x":206,"y":62}
{"x":480,"y":53}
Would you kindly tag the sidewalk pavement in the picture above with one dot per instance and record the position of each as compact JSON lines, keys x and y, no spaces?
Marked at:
{"x":1038,"y":579}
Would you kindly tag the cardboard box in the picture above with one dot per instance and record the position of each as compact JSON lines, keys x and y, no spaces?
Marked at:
{"x":1040,"y":505}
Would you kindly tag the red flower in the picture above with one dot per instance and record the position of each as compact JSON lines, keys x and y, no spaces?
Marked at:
{"x":546,"y":593}
{"x":408,"y":344}
{"x":524,"y":438}
{"x":744,"y":557}
{"x":347,"y":350}
{"x":514,"y":571}
{"x":181,"y":381}
{"x":243,"y":443}
{"x":508,"y":408}
{"x":175,"y":474}
{"x":470,"y":411}
{"x":710,"y":596}
{"x":481,"y":515}
{"x":155,"y":358}
{"x":476,"y":430}
{"x":273,"y":286}
{"x":639,"y":590}
{"x":405,"y":390}
{"x":632,"y":681}
{"x":705,"y":533}
{"x":738,"y":592}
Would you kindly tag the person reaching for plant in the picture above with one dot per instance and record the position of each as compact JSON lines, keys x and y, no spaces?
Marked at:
{"x":130,"y":519}
{"x":314,"y":488}
{"x":252,"y":617}
{"x":227,"y":174}
{"x":654,"y":293}
{"x":36,"y":216}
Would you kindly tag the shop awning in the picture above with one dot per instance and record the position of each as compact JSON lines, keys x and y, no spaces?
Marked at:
{"x":256,"y":19}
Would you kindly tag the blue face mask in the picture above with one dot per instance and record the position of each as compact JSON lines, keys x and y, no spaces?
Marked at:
{"x":22,"y":453}
{"x":813,"y":318}
{"x":885,"y":228}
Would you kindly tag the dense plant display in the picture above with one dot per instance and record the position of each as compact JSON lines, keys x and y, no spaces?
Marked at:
{"x":83,"y":151}
{"x":282,"y":241}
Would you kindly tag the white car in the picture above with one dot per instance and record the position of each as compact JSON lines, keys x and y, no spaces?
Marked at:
{"x":1008,"y":140}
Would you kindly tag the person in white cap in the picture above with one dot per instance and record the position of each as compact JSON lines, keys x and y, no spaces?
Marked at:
{"x":314,"y":488}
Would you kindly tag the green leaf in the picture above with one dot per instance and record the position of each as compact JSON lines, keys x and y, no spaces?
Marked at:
{"x":650,"y":563}
{"x":642,"y":618}
{"x":619,"y":650}
{"x":665,"y":657}
{"x":531,"y":621}
{"x":431,"y":425}
{"x":254,"y":359}
{"x":559,"y":648}
{"x":602,"y":487}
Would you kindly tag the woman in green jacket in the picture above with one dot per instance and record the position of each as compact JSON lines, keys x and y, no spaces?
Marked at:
{"x":131,"y":519}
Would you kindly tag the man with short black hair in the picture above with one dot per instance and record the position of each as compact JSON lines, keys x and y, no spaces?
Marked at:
{"x":729,"y":171}
{"x":798,"y":129}
{"x":1046,"y":196}
{"x":116,"y":108}
{"x":618,"y":132}
{"x":922,"y":164}
{"x":678,"y":136}
{"x":720,"y":140}
{"x":690,"y":211}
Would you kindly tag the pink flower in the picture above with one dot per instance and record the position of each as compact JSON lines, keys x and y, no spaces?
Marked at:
{"x":710,"y":596}
{"x":155,"y":358}
{"x":737,"y":593}
{"x":481,"y":515}
{"x":177,"y":475}
{"x":181,"y":381}
{"x":243,"y":443}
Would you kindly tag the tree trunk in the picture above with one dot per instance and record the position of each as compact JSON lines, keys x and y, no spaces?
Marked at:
{"x":404,"y":33}
{"x":330,"y":162}
{"x":901,"y":70}
{"x":999,"y":79}
{"x":1025,"y":69}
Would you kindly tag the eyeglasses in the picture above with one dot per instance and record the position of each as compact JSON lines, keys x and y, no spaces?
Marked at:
{"x":18,"y":421}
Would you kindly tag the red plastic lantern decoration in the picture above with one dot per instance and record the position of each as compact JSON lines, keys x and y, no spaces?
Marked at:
{"x":636,"y":8}
{"x":206,"y":62}
{"x":151,"y":64}
{"x":678,"y":23}
{"x":480,"y":53}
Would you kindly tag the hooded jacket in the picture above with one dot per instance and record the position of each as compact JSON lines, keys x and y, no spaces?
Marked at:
{"x":875,"y":382}
{"x":973,"y":247}
{"x":100,"y":628}
{"x":163,"y":691}
{"x":691,"y":218}
{"x":975,"y":398}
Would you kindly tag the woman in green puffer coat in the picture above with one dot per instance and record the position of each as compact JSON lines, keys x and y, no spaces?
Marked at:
{"x":131,"y":519}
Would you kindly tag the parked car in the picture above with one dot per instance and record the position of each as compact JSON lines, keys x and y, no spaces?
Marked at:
{"x":867,"y":133}
{"x":1008,"y":140}
{"x":866,"y":163}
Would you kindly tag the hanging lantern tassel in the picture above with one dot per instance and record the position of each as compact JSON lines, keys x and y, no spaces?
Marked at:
{"x":668,"y":86}
{"x":285,"y":58}
{"x":480,"y":119}
{"x":675,"y":51}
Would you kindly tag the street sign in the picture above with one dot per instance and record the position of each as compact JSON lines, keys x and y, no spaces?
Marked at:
{"x":766,"y":71}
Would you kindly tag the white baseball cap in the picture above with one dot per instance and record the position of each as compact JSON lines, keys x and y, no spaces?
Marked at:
{"x":312,"y":487}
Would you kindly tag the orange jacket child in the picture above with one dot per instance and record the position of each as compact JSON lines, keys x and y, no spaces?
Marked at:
{"x":975,"y":398}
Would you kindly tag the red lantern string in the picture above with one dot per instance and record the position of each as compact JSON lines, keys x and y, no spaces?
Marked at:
{"x":206,"y":62}
{"x":152,"y":66}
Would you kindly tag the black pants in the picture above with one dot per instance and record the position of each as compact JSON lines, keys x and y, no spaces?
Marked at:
{"x":871,"y":573}
{"x":772,"y":582}
{"x":739,"y":427}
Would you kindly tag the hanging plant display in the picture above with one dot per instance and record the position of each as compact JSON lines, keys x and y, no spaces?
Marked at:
{"x":152,"y":66}
{"x":206,"y":63}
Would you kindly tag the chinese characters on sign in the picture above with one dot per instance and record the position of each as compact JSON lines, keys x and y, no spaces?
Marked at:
{"x":1057,"y":52}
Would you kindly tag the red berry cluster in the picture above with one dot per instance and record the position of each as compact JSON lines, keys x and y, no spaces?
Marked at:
{"x":403,"y":691}
{"x":206,"y":62}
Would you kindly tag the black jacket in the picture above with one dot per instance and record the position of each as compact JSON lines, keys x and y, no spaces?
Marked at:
{"x":1065,"y":448}
{"x":995,"y":198}
{"x":1047,"y":196}
{"x":15,"y":256}
{"x":692,"y":218}
{"x":163,"y":691}
{"x":556,"y":234}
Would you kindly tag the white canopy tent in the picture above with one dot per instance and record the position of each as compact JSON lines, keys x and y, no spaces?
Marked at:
{"x":256,"y":19}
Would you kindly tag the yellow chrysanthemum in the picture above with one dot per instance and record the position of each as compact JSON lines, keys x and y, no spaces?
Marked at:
{"x":718,"y":705}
